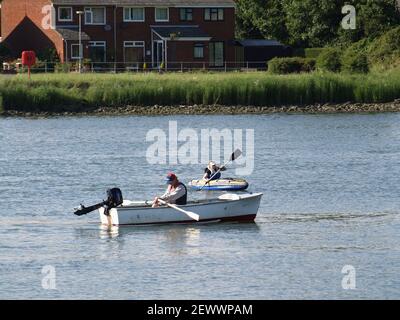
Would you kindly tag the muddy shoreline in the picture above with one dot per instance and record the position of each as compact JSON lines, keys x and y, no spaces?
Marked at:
{"x":219,"y":110}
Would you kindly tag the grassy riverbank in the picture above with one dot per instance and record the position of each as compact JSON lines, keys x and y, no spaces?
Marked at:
{"x":55,"y":93}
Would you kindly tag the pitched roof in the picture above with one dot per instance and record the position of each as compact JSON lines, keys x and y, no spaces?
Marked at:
{"x":72,"y":34}
{"x":169,"y":3}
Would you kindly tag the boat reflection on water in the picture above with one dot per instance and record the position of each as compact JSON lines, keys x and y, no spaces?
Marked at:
{"x":176,"y":234}
{"x":108,"y":232}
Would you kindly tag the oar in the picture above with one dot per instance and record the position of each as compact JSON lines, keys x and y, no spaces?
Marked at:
{"x":233,"y":157}
{"x":83,"y":210}
{"x":192,"y":215}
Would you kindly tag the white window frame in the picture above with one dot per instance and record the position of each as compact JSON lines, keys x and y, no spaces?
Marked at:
{"x":155,"y":14}
{"x":134,"y":44}
{"x":130,"y":19}
{"x":65,"y":20}
{"x":89,"y":9}
{"x":72,"y":51}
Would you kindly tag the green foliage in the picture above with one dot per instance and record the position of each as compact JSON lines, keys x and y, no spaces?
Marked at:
{"x":385,"y":50}
{"x":313,"y":53}
{"x":355,"y":60}
{"x":62,"y":67}
{"x":311,"y":23}
{"x":314,"y":23}
{"x":330,"y":60}
{"x":291,"y":65}
{"x":82,"y":93}
{"x":261,"y":19}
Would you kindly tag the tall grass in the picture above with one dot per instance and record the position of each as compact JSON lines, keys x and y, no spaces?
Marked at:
{"x":77,"y":93}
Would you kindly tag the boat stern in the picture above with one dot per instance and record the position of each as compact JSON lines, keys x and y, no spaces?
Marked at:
{"x":111,"y":220}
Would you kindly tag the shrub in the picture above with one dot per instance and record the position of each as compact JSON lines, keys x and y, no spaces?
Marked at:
{"x":355,"y":60}
{"x":291,"y":65}
{"x":385,"y":50}
{"x":62,"y":67}
{"x":311,"y":53}
{"x":330,"y":60}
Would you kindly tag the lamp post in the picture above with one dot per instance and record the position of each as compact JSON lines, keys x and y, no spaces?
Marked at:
{"x":80,"y":13}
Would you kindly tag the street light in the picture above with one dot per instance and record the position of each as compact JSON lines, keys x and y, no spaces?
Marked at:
{"x":80,"y":13}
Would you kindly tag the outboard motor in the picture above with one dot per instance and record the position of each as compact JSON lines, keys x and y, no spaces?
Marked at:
{"x":114,"y":198}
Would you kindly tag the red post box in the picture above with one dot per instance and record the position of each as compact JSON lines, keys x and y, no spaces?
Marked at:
{"x":28,"y":59}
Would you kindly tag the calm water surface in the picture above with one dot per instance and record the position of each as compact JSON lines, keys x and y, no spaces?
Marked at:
{"x":331,"y":185}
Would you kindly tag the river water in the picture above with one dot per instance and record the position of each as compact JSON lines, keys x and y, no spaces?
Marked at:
{"x":331,"y":199}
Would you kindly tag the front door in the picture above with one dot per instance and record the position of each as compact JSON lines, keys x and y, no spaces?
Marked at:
{"x":158,"y":53}
{"x":217,"y":54}
{"x":134,"y":54}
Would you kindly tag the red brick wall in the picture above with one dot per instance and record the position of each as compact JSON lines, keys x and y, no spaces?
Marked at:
{"x":16,"y":11}
{"x":141,"y":31}
{"x":22,"y":27}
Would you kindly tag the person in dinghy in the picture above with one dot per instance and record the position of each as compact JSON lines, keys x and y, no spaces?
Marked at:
{"x":210,"y":173}
{"x":176,"y":192}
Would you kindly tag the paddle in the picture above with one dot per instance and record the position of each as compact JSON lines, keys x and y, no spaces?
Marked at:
{"x":233,"y":157}
{"x":192,"y":215}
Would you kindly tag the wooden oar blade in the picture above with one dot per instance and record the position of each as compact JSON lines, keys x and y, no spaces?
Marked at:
{"x":193,"y":215}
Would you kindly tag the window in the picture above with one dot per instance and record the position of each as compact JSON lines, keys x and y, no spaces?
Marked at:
{"x":134,"y":53}
{"x":134,"y":14}
{"x":216,"y":54}
{"x":95,"y":15}
{"x":97,"y":50}
{"x":214,"y":14}
{"x":64,"y":14}
{"x":75,"y":52}
{"x":162,"y":14}
{"x":198,"y":51}
{"x":186,"y":14}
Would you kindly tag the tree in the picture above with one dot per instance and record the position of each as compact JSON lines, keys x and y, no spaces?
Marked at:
{"x":261,"y":19}
{"x":312,"y":23}
{"x":374,"y":17}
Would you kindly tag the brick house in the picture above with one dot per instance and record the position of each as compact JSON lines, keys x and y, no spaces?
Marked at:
{"x":157,"y":32}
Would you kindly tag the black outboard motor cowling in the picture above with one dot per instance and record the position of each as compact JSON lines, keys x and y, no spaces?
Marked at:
{"x":114,"y":198}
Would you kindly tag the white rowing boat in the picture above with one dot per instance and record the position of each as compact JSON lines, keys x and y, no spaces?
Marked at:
{"x":227,"y":208}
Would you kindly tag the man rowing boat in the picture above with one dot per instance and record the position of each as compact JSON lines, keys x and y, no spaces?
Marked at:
{"x":176,"y":192}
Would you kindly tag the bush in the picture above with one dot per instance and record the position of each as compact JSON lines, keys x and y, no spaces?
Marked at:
{"x":291,"y":65}
{"x":311,"y":53}
{"x":62,"y":67}
{"x":355,"y":60}
{"x":330,"y":60}
{"x":385,"y":50}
